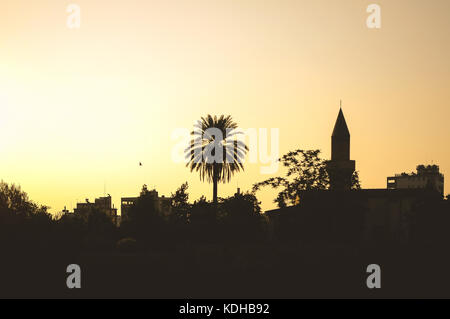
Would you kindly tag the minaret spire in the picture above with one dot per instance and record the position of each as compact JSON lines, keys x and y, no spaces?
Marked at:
{"x":340,"y":130}
{"x":340,"y":169}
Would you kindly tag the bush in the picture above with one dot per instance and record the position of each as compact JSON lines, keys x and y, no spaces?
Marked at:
{"x":127,"y":245}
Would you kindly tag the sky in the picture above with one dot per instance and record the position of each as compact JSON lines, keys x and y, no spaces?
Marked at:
{"x":80,"y":108}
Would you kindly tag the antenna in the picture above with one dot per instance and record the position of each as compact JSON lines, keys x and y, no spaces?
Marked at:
{"x":340,"y":104}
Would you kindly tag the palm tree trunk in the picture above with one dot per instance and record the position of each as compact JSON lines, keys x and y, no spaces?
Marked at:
{"x":215,"y":189}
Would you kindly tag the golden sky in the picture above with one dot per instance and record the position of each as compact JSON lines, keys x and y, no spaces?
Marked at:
{"x":80,"y":108}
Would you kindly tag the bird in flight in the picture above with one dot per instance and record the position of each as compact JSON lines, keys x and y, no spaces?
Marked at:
{"x":140,"y":164}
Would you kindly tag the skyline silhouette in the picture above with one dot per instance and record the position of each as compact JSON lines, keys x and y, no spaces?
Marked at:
{"x":224,"y":149}
{"x":82,"y":107}
{"x":172,"y":242}
{"x":204,"y":144}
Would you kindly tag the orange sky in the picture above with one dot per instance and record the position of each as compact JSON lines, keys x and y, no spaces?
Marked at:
{"x":81,"y":108}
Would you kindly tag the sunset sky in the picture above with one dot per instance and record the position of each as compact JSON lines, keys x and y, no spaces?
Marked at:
{"x":80,"y":108}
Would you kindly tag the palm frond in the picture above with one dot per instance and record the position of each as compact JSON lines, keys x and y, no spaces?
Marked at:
{"x":201,"y":152}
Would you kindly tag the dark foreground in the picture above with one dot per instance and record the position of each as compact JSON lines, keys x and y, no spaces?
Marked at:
{"x":211,"y":271}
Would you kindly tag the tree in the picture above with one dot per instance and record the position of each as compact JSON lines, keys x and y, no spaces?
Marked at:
{"x":215,"y":152}
{"x":241,"y":216}
{"x":23,"y":224}
{"x":241,"y":206}
{"x":15,"y":203}
{"x":101,"y":231}
{"x":180,"y":204}
{"x":306,"y":170}
{"x":144,"y":221}
{"x":203,"y":224}
{"x":202,"y":212}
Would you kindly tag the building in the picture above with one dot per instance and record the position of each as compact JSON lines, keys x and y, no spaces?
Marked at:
{"x":102,"y":204}
{"x":163,"y":205}
{"x":426,"y":177}
{"x":340,"y":168}
{"x":362,"y":215}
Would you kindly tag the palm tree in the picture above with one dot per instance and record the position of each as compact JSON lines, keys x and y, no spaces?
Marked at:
{"x":215,"y":152}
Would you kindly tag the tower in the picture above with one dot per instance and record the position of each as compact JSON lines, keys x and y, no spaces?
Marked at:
{"x":340,"y":169}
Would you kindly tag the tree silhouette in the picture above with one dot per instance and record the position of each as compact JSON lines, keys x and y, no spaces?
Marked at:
{"x":15,"y":202}
{"x":241,"y":216}
{"x":215,"y":152}
{"x":144,"y":221}
{"x":306,"y":171}
{"x":180,"y":204}
{"x":23,"y":223}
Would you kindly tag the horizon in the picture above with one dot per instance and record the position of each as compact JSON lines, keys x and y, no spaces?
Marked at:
{"x":83,"y":107}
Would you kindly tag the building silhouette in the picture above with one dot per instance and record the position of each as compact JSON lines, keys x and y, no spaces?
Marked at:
{"x":162,"y":204}
{"x":340,"y":168}
{"x":102,"y":204}
{"x":359,"y":215}
{"x":426,"y":177}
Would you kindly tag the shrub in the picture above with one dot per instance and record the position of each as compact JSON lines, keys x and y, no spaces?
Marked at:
{"x":127,"y":245}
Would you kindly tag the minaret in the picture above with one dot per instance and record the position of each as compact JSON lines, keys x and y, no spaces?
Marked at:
{"x":340,"y":169}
